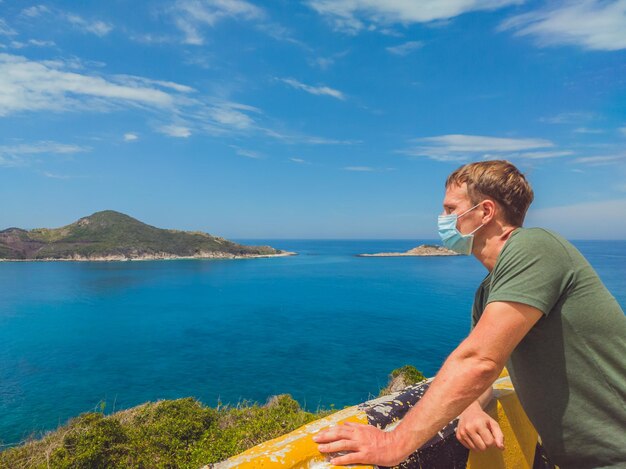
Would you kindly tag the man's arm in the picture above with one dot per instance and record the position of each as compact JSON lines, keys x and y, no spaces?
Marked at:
{"x":471,"y":368}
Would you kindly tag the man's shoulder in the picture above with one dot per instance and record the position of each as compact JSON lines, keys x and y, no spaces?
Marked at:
{"x":531,"y":244}
{"x":539,"y":238}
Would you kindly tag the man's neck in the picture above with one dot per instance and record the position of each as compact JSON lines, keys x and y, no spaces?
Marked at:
{"x":488,"y":249}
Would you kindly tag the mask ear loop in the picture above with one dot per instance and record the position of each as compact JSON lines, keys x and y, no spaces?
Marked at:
{"x":469,"y":210}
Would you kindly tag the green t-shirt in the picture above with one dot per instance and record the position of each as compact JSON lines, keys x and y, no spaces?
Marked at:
{"x":569,"y":371}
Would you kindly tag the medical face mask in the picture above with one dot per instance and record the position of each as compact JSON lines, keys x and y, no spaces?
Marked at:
{"x":451,"y":237}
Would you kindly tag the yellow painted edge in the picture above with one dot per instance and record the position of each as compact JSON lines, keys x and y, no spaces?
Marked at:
{"x":295,"y":450}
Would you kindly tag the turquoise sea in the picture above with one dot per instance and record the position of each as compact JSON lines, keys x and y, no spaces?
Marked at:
{"x":324,"y":326}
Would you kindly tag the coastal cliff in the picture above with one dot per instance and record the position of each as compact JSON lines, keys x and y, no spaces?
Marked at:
{"x":114,"y":236}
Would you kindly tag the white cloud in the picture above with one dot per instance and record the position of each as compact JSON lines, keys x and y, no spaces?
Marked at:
{"x":317,"y":90}
{"x":191,"y":15}
{"x":5,"y":29}
{"x":600,"y":160}
{"x":27,"y":85}
{"x":537,"y":155}
{"x":325,"y":63}
{"x":570,"y":118}
{"x":31,"y":42}
{"x":581,"y":221}
{"x":130,"y":137}
{"x":590,"y":24}
{"x":307,"y":139}
{"x":247,"y":153}
{"x":364,"y":169}
{"x":16,"y":155}
{"x":56,"y":176}
{"x":232,"y":115}
{"x":173,"y":130}
{"x":99,"y":28}
{"x":406,"y":48}
{"x":355,"y":15}
{"x":459,"y":148}
{"x":587,"y":130}
{"x":34,"y":11}
{"x":299,"y":160}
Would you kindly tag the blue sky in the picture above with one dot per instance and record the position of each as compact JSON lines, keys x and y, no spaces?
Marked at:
{"x":311,"y":118}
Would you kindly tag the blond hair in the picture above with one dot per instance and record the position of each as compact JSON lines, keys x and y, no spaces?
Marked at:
{"x":498,"y":180}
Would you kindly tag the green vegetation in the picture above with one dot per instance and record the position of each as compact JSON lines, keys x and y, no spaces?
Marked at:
{"x":401,"y":378}
{"x":180,"y":433}
{"x":110,"y":233}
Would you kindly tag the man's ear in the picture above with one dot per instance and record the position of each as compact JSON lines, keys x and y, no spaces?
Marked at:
{"x":489,"y":210}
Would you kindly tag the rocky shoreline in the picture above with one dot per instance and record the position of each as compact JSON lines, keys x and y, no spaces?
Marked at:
{"x":425,"y":250}
{"x":162,"y":256}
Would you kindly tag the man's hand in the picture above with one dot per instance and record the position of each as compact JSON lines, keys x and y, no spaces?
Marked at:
{"x":366,"y":444}
{"x":478,"y":431}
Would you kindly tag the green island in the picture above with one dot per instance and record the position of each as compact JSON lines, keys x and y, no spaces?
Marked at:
{"x":113,"y":236}
{"x":181,"y":433}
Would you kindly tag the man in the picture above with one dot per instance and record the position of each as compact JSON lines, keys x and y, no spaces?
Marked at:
{"x":543,"y":312}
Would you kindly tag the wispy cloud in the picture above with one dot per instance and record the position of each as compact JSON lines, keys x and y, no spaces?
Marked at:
{"x":365,"y":169}
{"x":34,"y":11}
{"x":623,"y":130}
{"x":317,"y":90}
{"x":325,"y":63}
{"x":97,"y":27}
{"x":406,"y":48}
{"x":299,"y":160}
{"x":590,"y":24}
{"x":56,"y":176}
{"x":31,"y":42}
{"x":602,"y":160}
{"x":570,"y":118}
{"x":587,"y":130}
{"x":352,"y":16}
{"x":130,"y":137}
{"x":5,"y":29}
{"x":540,"y":155}
{"x":459,"y":147}
{"x":62,"y":86}
{"x":190,"y":16}
{"x":177,"y":131}
{"x":295,"y":138}
{"x":247,"y":153}
{"x":15,"y":155}
{"x":27,"y":85}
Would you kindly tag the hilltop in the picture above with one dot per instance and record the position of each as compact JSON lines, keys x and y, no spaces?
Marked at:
{"x":111,"y":235}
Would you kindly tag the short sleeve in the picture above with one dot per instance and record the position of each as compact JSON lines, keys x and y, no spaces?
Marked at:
{"x":534,"y":269}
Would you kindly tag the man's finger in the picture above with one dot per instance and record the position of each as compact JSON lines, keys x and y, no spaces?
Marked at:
{"x":332,"y":434}
{"x":486,"y":436}
{"x":497,"y":433}
{"x":479,"y":444}
{"x":336,"y":446}
{"x":352,"y":458}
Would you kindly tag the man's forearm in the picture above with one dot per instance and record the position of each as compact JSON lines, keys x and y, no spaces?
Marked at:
{"x":463,"y":379}
{"x":485,"y":398}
